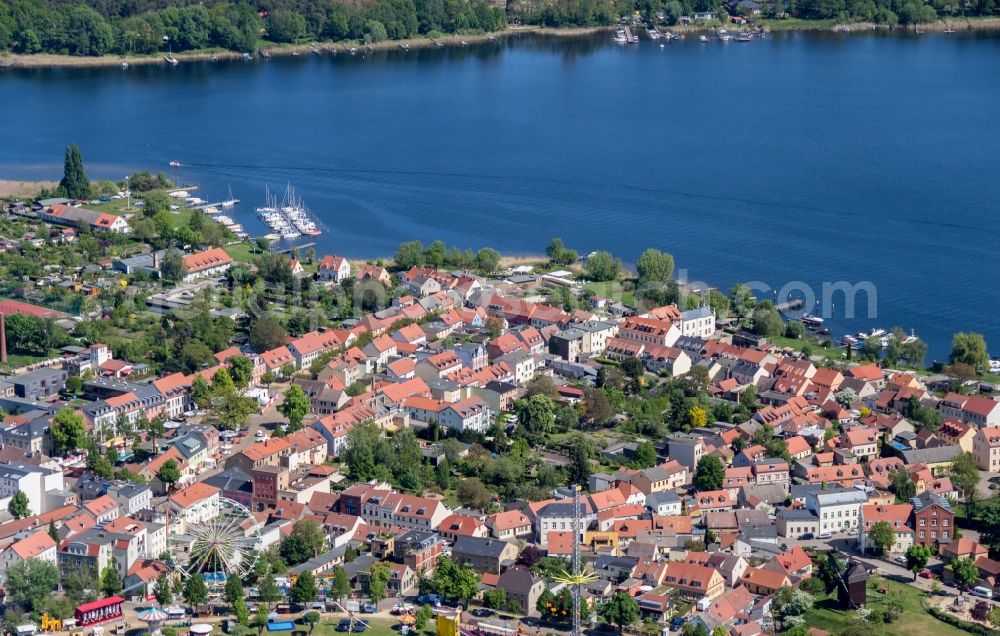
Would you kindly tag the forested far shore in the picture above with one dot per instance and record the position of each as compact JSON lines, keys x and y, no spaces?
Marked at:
{"x":144,"y":27}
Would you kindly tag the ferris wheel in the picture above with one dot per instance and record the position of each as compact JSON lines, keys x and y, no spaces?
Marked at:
{"x":217,"y":548}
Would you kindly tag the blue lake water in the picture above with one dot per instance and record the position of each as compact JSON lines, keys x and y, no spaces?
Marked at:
{"x":802,"y":157}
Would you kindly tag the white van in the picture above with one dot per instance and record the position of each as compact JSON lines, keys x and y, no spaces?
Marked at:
{"x":981,"y":591}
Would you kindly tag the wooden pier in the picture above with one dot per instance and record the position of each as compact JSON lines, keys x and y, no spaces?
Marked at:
{"x":795,"y":303}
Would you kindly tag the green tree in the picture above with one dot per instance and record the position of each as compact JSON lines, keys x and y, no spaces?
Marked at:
{"x":453,"y":581}
{"x":341,"y":586}
{"x":169,"y":473}
{"x":424,"y":614}
{"x":304,"y":590}
{"x":965,"y":571}
{"x":241,"y":612}
{"x":233,"y":590}
{"x":68,"y":431}
{"x":172,"y":265}
{"x":378,"y":580}
{"x":965,"y":475}
{"x":536,"y":415}
{"x":645,"y":455}
{"x":970,"y":348}
{"x":578,"y":471}
{"x":559,"y":253}
{"x":231,"y":408}
{"x":260,"y":619}
{"x":742,"y":303}
{"x":266,"y":333}
{"x":201,"y":392}
{"x":655,"y":266}
{"x":284,"y":25}
{"x":19,"y":505}
{"x":767,"y":321}
{"x":495,"y":598}
{"x":791,"y":603}
{"x":305,"y":541}
{"x":472,"y":492}
{"x":74,"y":184}
{"x":294,"y":407}
{"x":602,"y":267}
{"x":621,"y":610}
{"x":903,"y":485}
{"x":156,"y":202}
{"x":195,"y":590}
{"x":311,"y":618}
{"x":882,"y":536}
{"x":410,"y":255}
{"x":241,"y":371}
{"x":268,"y":591}
{"x":222,"y":381}
{"x":74,"y":384}
{"x":989,"y":525}
{"x":31,"y":581}
{"x":598,"y":407}
{"x":709,"y":474}
{"x":916,"y":558}
{"x":487,"y":260}
{"x":161,"y":590}
{"x":111,"y":583}
{"x":53,"y":533}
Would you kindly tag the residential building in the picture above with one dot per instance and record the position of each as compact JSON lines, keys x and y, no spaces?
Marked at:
{"x":838,"y":509}
{"x":522,"y":586}
{"x":484,"y":555}
{"x":933,"y":519}
{"x":896,"y":515}
{"x":212,"y":263}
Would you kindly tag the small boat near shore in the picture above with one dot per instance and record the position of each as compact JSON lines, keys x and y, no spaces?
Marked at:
{"x":169,"y":59}
{"x":811,"y":321}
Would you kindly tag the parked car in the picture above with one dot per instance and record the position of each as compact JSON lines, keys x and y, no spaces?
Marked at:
{"x":900,"y":560}
{"x":676,"y":623}
{"x":359,"y":627}
{"x":369,"y":608}
{"x":807,"y":536}
{"x":344,"y":625}
{"x":926,"y":574}
{"x":824,"y":536}
{"x":430,"y":599}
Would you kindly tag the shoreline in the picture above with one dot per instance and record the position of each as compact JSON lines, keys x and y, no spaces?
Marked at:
{"x":49,"y":60}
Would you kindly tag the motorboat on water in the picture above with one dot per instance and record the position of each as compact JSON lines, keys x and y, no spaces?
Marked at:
{"x":620,"y":36}
{"x":703,"y":38}
{"x":812,"y":321}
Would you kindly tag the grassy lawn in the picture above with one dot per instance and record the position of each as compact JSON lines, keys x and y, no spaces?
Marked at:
{"x":612,"y":290}
{"x":15,"y":360}
{"x":832,"y":352}
{"x":913,"y":620}
{"x":242,"y":252}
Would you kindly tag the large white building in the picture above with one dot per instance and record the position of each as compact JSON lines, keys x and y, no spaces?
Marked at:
{"x":838,"y":509}
{"x":197,"y":503}
{"x":469,"y":414}
{"x":697,"y":323}
{"x":34,"y":481}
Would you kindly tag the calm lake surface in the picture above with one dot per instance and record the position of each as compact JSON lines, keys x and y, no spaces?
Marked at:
{"x":815,"y":158}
